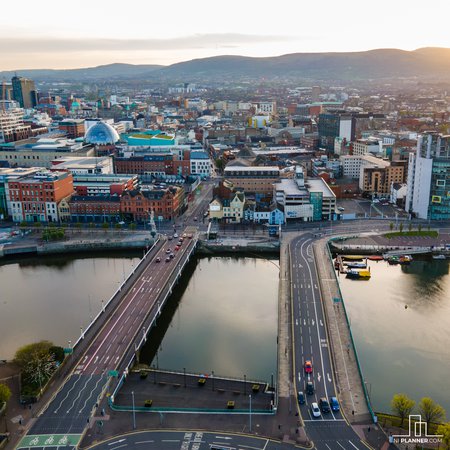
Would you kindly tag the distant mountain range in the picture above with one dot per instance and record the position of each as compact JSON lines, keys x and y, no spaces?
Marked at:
{"x":430,"y":63}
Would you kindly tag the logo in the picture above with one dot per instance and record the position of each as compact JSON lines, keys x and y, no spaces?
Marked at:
{"x":417,"y":433}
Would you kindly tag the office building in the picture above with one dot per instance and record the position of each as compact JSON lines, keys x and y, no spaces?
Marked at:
{"x":24,"y":92}
{"x":428,"y":185}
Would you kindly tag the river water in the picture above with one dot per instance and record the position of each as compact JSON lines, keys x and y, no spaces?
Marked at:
{"x":400,"y":320}
{"x":222,"y":316}
{"x":52,"y":297}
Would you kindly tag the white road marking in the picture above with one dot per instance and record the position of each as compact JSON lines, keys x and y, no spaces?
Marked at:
{"x":68,"y":392}
{"x":143,"y":442}
{"x":351,"y":443}
{"x":329,"y":378}
{"x":340,"y":444}
{"x":318,"y":376}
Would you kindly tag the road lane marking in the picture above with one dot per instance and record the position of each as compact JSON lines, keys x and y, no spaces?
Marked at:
{"x":340,"y":445}
{"x":65,"y":398}
{"x":351,"y":443}
{"x":143,"y":442}
{"x":119,"y":446}
{"x":79,"y":393}
{"x":329,"y":378}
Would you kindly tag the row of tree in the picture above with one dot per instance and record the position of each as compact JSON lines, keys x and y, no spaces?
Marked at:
{"x":410,"y":227}
{"x":428,"y":409}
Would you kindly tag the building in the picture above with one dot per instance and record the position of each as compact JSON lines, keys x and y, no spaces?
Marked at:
{"x":24,"y":92}
{"x":253,"y":179}
{"x":377,"y":181}
{"x":41,"y":151}
{"x":10,"y":174}
{"x":84,"y":166}
{"x":335,"y":124}
{"x":35,"y":198}
{"x":305,"y":200}
{"x":166,"y":203}
{"x":428,"y":194}
{"x":352,"y":165}
{"x":95,"y":208}
{"x":104,"y":184}
{"x":200,"y":164}
{"x":12,"y":127}
{"x":367,"y":146}
{"x":74,"y":128}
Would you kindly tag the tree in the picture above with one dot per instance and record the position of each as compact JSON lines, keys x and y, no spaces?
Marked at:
{"x":391,"y":226}
{"x":401,"y":227}
{"x":402,"y":405}
{"x":419,"y":227}
{"x":132,"y":226}
{"x":105,"y":225}
{"x":5,"y":393}
{"x":36,"y":362}
{"x":410,"y":226}
{"x":444,"y":431}
{"x":431,"y":411}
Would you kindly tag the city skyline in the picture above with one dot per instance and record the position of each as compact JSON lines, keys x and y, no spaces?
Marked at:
{"x":105,"y":32}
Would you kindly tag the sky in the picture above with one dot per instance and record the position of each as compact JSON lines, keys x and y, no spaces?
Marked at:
{"x":52,"y":34}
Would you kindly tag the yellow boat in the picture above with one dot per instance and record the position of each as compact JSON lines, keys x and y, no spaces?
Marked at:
{"x":358,"y":274}
{"x":353,"y":257}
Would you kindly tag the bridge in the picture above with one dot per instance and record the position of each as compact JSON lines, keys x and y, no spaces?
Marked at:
{"x":104,"y":352}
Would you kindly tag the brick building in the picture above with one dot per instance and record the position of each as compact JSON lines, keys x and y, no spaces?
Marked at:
{"x":95,"y":208}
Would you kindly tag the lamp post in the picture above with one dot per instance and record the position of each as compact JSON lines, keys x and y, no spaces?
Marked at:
{"x":184,"y":376}
{"x":245,"y":384}
{"x":134,"y":412}
{"x":250,"y":415}
{"x":212,"y":379}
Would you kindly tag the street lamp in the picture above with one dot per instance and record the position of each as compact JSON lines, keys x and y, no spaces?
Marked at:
{"x":134,"y":412}
{"x":250,"y":415}
{"x":245,"y":384}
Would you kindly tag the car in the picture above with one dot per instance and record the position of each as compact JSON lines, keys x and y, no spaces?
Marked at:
{"x":168,"y":259}
{"x":195,"y":219}
{"x":177,"y":248}
{"x":310,"y":388}
{"x":158,"y":259}
{"x":334,"y":404}
{"x":315,"y":411}
{"x":308,"y":366}
{"x":171,"y":256}
{"x":340,"y":208}
{"x":184,"y":235}
{"x":175,"y":235}
{"x":189,"y":236}
{"x":301,"y":398}
{"x":170,"y":238}
{"x":205,"y":214}
{"x":324,"y":405}
{"x":168,"y":251}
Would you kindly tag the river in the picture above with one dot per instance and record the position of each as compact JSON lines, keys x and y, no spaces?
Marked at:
{"x":400,"y":320}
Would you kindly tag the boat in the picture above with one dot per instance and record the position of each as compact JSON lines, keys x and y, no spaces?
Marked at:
{"x":375,"y":258}
{"x":358,"y":274}
{"x":353,"y":257}
{"x":405,"y":259}
{"x":356,"y":265}
{"x":439,"y":257}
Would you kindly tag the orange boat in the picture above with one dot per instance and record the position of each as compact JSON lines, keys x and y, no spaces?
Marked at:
{"x":375,"y":258}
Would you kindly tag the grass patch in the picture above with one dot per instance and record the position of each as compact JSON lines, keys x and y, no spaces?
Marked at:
{"x":430,"y":233}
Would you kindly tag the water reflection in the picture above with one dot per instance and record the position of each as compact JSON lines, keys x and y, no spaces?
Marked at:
{"x":400,"y":319}
{"x":51,"y":297}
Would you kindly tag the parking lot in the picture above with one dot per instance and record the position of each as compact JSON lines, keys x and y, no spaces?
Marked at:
{"x":366,"y":208}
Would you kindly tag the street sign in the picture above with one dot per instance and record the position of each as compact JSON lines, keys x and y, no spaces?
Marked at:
{"x":113,"y":373}
{"x":336,"y":300}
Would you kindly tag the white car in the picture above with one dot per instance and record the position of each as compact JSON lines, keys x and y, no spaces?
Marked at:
{"x":315,"y":411}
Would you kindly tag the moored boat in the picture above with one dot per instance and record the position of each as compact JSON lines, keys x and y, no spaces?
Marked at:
{"x":356,"y":265}
{"x":439,"y":257}
{"x":375,"y":258}
{"x":359,"y":274}
{"x":353,"y":257}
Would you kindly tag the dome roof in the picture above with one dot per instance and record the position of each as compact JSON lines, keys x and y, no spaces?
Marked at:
{"x":101,"y":134}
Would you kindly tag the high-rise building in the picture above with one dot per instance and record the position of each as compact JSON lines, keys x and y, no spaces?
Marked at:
{"x":12,"y":127}
{"x":428,"y":194}
{"x":24,"y":92}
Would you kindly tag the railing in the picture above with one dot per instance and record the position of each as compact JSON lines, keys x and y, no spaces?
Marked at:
{"x":167,"y":293}
{"x":119,"y":289}
{"x":366,"y":395}
{"x":189,"y":410}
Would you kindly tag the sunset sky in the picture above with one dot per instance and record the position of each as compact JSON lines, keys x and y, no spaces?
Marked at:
{"x":55,"y":34}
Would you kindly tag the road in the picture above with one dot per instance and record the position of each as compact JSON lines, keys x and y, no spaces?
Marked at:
{"x":188,"y":440}
{"x":330,"y":431}
{"x":71,"y":409}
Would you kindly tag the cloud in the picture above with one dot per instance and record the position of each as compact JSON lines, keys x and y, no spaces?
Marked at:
{"x":196,"y":41}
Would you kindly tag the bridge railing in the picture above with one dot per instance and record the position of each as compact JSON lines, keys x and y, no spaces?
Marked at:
{"x":116,"y":293}
{"x":130,"y":353}
{"x":366,"y":395}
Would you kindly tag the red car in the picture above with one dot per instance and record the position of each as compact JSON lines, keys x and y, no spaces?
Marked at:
{"x":177,"y":248}
{"x":308,"y":367}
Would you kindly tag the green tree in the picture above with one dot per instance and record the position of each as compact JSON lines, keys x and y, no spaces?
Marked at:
{"x":402,"y":406}
{"x":444,"y":430}
{"x":132,"y":226}
{"x":431,"y":411}
{"x":117,"y":226}
{"x":410,"y":226}
{"x":36,"y":362}
{"x":419,"y":227}
{"x":5,"y":393}
{"x":391,"y":226}
{"x":401,"y":227}
{"x":105,"y":225}
{"x":57,"y":352}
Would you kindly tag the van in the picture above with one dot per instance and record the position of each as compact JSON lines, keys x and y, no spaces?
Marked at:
{"x":310,"y":388}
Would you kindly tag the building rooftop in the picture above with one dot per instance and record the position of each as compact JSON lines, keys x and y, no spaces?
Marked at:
{"x":319,"y":185}
{"x":101,"y":134}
